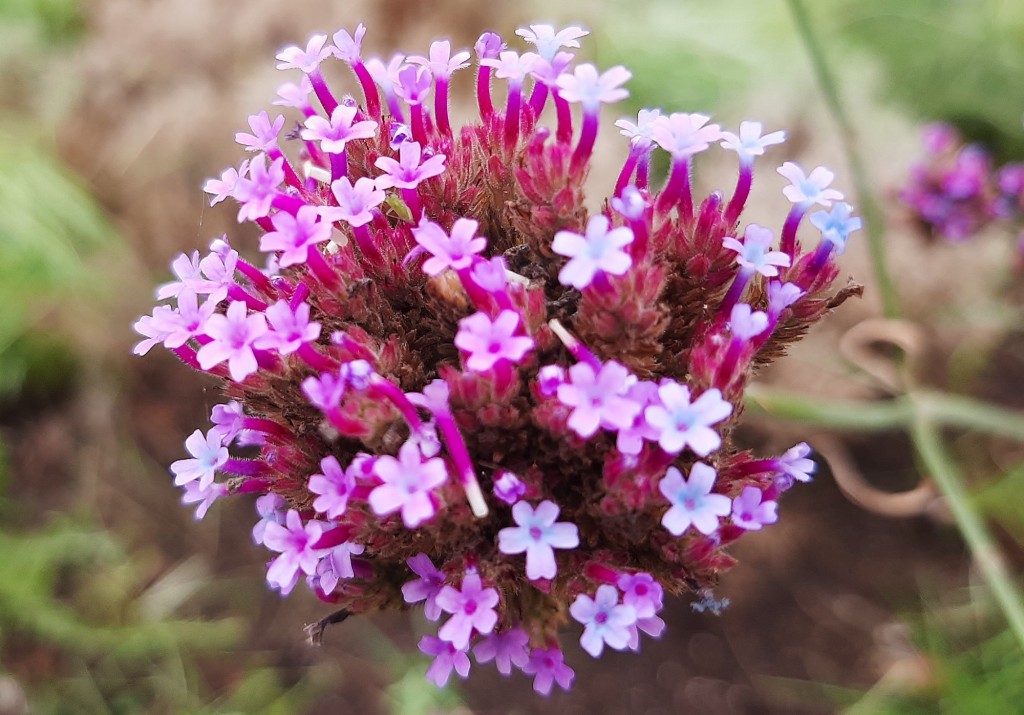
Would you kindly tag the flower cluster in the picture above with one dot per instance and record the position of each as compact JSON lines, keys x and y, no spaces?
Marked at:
{"x":455,"y":385}
{"x":955,"y":191}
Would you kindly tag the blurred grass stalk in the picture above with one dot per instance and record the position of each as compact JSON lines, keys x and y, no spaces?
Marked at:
{"x":912,"y":412}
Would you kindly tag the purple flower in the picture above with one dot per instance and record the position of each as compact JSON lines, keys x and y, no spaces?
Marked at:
{"x":349,"y":47}
{"x":746,"y":324}
{"x":631,"y":204}
{"x":407,"y":484}
{"x":355,"y":203}
{"x":295,"y":542}
{"x":604,"y":620}
{"x":600,"y":250}
{"x":425,"y":588}
{"x":408,"y":171}
{"x":642,"y":592}
{"x":641,"y":133}
{"x":264,"y":133}
{"x":472,"y":609}
{"x":256,"y":191}
{"x":795,"y":463}
{"x":538,"y":535}
{"x":413,"y":84}
{"x":455,"y":251}
{"x":547,"y":665}
{"x":232,"y":337}
{"x":598,"y":399}
{"x":548,"y":41}
{"x":308,"y":60}
{"x":505,"y":648}
{"x":750,"y":143}
{"x":591,"y":89}
{"x":810,"y":188}
{"x":781,"y":296}
{"x":683,"y":424}
{"x":508,"y":487}
{"x":204,"y":495}
{"x":295,"y":235}
{"x":441,"y":63}
{"x":755,"y":254}
{"x":336,"y":564}
{"x":692,"y":501}
{"x":290,"y":329}
{"x":749,"y":512}
{"x":683,"y":135}
{"x":324,"y":392}
{"x":334,"y":487}
{"x":333,"y":135}
{"x":489,"y":341}
{"x":836,"y":225}
{"x":226,"y":185}
{"x":488,"y":46}
{"x":271,"y":508}
{"x":294,"y":95}
{"x":208,"y":455}
{"x":512,"y":65}
{"x":446,"y":658}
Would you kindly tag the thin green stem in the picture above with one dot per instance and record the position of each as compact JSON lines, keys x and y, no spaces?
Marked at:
{"x":959,"y":411}
{"x":873,"y":220}
{"x":945,"y":474}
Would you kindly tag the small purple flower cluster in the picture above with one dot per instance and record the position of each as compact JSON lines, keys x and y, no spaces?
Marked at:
{"x":454,"y":385}
{"x":955,"y":191}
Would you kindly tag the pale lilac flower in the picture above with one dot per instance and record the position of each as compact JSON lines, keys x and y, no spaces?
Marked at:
{"x":229,"y":420}
{"x":684,"y":424}
{"x":472,"y":609}
{"x":642,"y":592}
{"x":349,"y":47}
{"x":604,"y":620}
{"x":407,"y":484}
{"x":333,"y":486}
{"x":455,"y":251}
{"x":325,"y":392}
{"x":547,"y":665}
{"x":836,"y":225}
{"x":591,"y":89}
{"x":385,"y":75}
{"x":754,"y":253}
{"x":631,"y":204}
{"x":692,"y":501}
{"x":413,"y":84}
{"x":807,"y":189}
{"x":189,"y":320}
{"x":271,"y":508}
{"x":641,"y":133}
{"x":491,"y":275}
{"x":750,"y":143}
{"x":795,"y":463}
{"x":683,"y":135}
{"x":537,"y":533}
{"x":333,"y":135}
{"x":600,"y":250}
{"x":407,"y":172}
{"x":308,"y":60}
{"x":294,"y":95}
{"x":508,"y":487}
{"x":295,"y":542}
{"x":750,"y":512}
{"x":652,"y":626}
{"x":441,"y":63}
{"x":218,"y":269}
{"x":488,"y":46}
{"x":227,"y":183}
{"x":598,"y":399}
{"x":289,"y":329}
{"x":446,"y":658}
{"x":489,"y":341}
{"x":746,"y":324}
{"x":295,"y":235}
{"x":208,"y":455}
{"x":264,"y":133}
{"x":186,"y":269}
{"x":257,"y":190}
{"x":154,"y":328}
{"x":195,"y":492}
{"x":547,"y":71}
{"x":336,"y":565}
{"x":233,"y":335}
{"x":549,"y":379}
{"x":781,"y":296}
{"x":630,"y":440}
{"x":548,"y":41}
{"x":426,"y":587}
{"x":355,"y":203}
{"x":511,"y":65}
{"x":505,"y":648}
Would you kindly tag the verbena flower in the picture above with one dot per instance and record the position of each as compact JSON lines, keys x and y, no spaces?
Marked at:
{"x":461,"y":388}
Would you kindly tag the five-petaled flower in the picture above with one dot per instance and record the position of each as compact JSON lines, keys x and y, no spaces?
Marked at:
{"x":488,"y":341}
{"x":599,"y":250}
{"x":538,"y":534}
{"x":472,"y":608}
{"x":598,"y":398}
{"x":749,"y":511}
{"x":604,"y":619}
{"x":693,"y":504}
{"x":407,"y":484}
{"x":681,"y":423}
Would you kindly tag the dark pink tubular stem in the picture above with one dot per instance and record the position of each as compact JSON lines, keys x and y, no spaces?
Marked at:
{"x":643,"y":171}
{"x":321,"y":268}
{"x":411,"y":198}
{"x":395,"y":106}
{"x":478,"y":296}
{"x":600,"y":573}
{"x":538,"y":98}
{"x":315,"y":359}
{"x":187,"y":354}
{"x":267,"y":427}
{"x":249,"y":486}
{"x":299,"y":295}
{"x":369,"y":90}
{"x":291,"y":204}
{"x":323,"y":92}
{"x":483,"y":93}
{"x":339,"y":165}
{"x":290,"y":176}
{"x":627,"y":169}
{"x":563,"y":113}
{"x":245,"y":467}
{"x":265,"y":223}
{"x":419,"y":127}
{"x":727,"y":368}
{"x":788,"y":242}
{"x":256,"y":277}
{"x":739,"y":196}
{"x":515,"y":100}
{"x":819,"y":259}
{"x":441,"y":107}
{"x":641,"y":237}
{"x":335,"y":537}
{"x":237,"y":292}
{"x":463,"y":464}
{"x":739,"y":284}
{"x":588,"y":135}
{"x":393,"y":394}
{"x":678,"y":183}
{"x":367,"y":246}
{"x":269,"y":361}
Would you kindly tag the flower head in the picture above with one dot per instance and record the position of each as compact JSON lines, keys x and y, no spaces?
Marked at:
{"x":411,"y":168}
{"x":755,"y":254}
{"x":692,"y":502}
{"x":591,"y":89}
{"x":604,"y":619}
{"x":333,"y":135}
{"x":836,"y":225}
{"x":808,"y":189}
{"x":488,"y":341}
{"x":472,"y":609}
{"x":750,"y":511}
{"x":750,"y":142}
{"x":683,"y":135}
{"x":455,"y":250}
{"x":406,"y":485}
{"x":682,"y":423}
{"x":537,"y":534}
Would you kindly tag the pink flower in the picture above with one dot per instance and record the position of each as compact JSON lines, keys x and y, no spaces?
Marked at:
{"x":413,"y":84}
{"x":781,"y":296}
{"x":508,"y":487}
{"x":548,"y":41}
{"x":295,"y":235}
{"x":257,"y":191}
{"x":290,"y":329}
{"x":489,"y":341}
{"x":547,"y":665}
{"x":233,"y":335}
{"x":506,"y":649}
{"x":472,"y":609}
{"x":598,"y":399}
{"x":684,"y":424}
{"x":208,"y":455}
{"x":750,"y":512}
{"x":455,"y":251}
{"x":538,"y":535}
{"x":683,"y":135}
{"x":642,"y":592}
{"x":446,"y":658}
{"x":408,"y":172}
{"x":600,"y":250}
{"x":226,"y":185}
{"x":308,"y":60}
{"x":592,"y":90}
{"x":264,"y":134}
{"x":204,"y":496}
{"x":336,"y":564}
{"x":426,"y":587}
{"x":746,"y":324}
{"x":754,"y":253}
{"x":512,"y":65}
{"x":795,"y":463}
{"x":355,"y":203}
{"x":294,"y":95}
{"x":604,"y":619}
{"x":271,"y":508}
{"x":333,"y":135}
{"x":407,"y":484}
{"x":810,"y":188}
{"x":295,"y":542}
{"x":642,"y":132}
{"x":333,"y":487}
{"x":441,"y":63}
{"x":349,"y":47}
{"x":692,"y":501}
